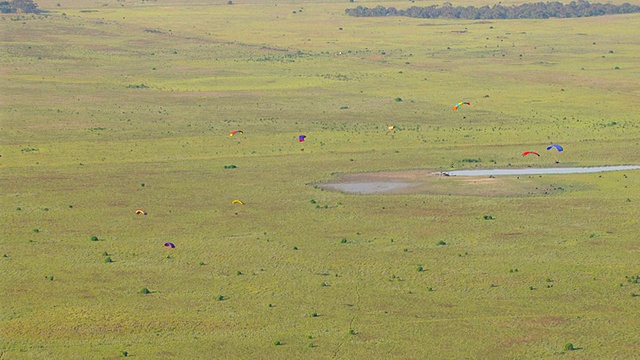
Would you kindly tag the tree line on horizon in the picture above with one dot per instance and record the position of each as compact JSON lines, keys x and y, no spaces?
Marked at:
{"x":16,"y":6}
{"x":539,"y":10}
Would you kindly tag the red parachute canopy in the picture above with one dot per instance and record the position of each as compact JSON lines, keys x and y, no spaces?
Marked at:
{"x":530,"y":152}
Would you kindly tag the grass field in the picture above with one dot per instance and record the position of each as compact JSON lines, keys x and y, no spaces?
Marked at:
{"x":112,"y":106}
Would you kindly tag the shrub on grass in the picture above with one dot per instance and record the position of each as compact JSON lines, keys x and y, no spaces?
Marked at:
{"x":277,"y":343}
{"x":94,"y":238}
{"x":569,"y":346}
{"x":441,"y":243}
{"x":145,"y":291}
{"x":108,"y":259}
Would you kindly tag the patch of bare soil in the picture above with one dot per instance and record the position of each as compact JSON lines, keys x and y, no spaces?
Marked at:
{"x":431,"y":182}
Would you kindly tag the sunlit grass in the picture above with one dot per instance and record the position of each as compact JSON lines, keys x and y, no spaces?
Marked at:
{"x":81,"y":135}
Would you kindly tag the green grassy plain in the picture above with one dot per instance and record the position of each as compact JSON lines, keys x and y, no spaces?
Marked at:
{"x":109,"y":109}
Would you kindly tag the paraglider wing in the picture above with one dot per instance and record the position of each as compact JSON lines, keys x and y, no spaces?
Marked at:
{"x":141,"y":212}
{"x":456,"y":106}
{"x":169,"y":245}
{"x":530,"y":152}
{"x":235,"y":132}
{"x":391,"y":127}
{"x":238,"y":202}
{"x":301,"y":138}
{"x":555,"y":146}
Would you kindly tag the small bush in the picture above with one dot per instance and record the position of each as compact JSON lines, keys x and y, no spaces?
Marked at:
{"x":277,"y":343}
{"x":420,"y":268}
{"x":108,"y":259}
{"x":352,"y":332}
{"x":398,"y":99}
{"x":569,"y":346}
{"x":343,"y":241}
{"x":488,"y":217}
{"x":145,"y":291}
{"x":36,"y":230}
{"x":94,"y":238}
{"x":441,"y":243}
{"x":314,"y":314}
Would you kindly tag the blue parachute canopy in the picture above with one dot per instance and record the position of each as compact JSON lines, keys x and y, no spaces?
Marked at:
{"x":169,"y":245}
{"x":555,"y":146}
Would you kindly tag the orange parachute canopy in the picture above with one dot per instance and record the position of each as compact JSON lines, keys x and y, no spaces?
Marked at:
{"x":456,"y":106}
{"x":141,"y":212}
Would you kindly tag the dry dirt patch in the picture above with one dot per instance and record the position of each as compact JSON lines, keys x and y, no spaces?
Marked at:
{"x":431,"y":182}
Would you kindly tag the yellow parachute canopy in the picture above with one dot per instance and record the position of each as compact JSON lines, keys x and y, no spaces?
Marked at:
{"x":234,"y":202}
{"x":141,"y":212}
